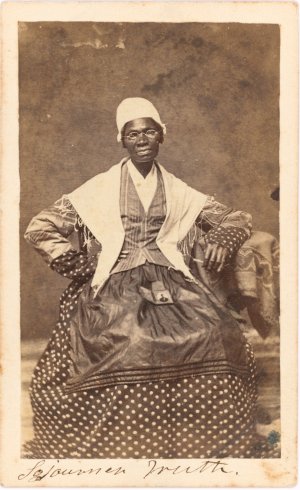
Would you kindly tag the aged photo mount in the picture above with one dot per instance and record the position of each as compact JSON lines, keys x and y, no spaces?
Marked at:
{"x":219,"y":83}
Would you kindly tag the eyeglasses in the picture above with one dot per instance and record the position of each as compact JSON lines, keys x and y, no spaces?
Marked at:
{"x":149,"y":133}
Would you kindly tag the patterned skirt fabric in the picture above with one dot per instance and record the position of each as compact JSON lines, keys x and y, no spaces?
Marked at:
{"x":196,"y":416}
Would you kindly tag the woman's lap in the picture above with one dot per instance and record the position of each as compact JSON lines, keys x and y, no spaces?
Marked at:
{"x":200,"y":416}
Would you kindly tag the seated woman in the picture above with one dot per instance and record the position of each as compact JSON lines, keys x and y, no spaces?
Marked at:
{"x":145,"y":361}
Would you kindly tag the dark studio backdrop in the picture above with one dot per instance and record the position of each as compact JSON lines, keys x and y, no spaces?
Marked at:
{"x":216,"y":87}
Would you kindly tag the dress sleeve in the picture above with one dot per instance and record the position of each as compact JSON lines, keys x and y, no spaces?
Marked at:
{"x":75,"y":265}
{"x":48,"y":232}
{"x":224,"y":226}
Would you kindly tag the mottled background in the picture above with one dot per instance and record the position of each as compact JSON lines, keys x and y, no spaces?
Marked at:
{"x":216,"y":87}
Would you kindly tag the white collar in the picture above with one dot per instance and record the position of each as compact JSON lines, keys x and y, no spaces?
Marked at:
{"x":145,"y":187}
{"x":137,"y":176}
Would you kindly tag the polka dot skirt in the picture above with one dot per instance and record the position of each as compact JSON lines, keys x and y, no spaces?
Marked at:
{"x":205,"y":416}
{"x":197,"y":418}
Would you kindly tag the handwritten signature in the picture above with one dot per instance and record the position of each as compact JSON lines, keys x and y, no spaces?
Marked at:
{"x":208,"y":466}
{"x":43,"y":470}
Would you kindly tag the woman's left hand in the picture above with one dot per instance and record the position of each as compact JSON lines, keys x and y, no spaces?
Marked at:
{"x":215,"y":257}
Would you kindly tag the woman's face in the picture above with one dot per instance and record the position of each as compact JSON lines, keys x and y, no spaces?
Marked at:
{"x":141,"y":138}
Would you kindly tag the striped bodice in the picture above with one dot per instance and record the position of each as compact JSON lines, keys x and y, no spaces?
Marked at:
{"x":141,"y":228}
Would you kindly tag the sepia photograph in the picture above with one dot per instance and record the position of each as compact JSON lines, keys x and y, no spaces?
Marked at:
{"x":150,"y":353}
{"x":149,"y":160}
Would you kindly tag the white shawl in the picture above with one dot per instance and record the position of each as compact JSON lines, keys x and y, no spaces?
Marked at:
{"x":98,"y":204}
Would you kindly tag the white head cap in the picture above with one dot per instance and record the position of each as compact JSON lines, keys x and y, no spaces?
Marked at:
{"x":136,"y":108}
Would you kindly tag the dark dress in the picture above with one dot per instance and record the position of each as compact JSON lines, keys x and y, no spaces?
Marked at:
{"x":153,"y":365}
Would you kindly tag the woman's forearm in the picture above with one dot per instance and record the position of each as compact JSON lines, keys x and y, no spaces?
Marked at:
{"x":224,"y":226}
